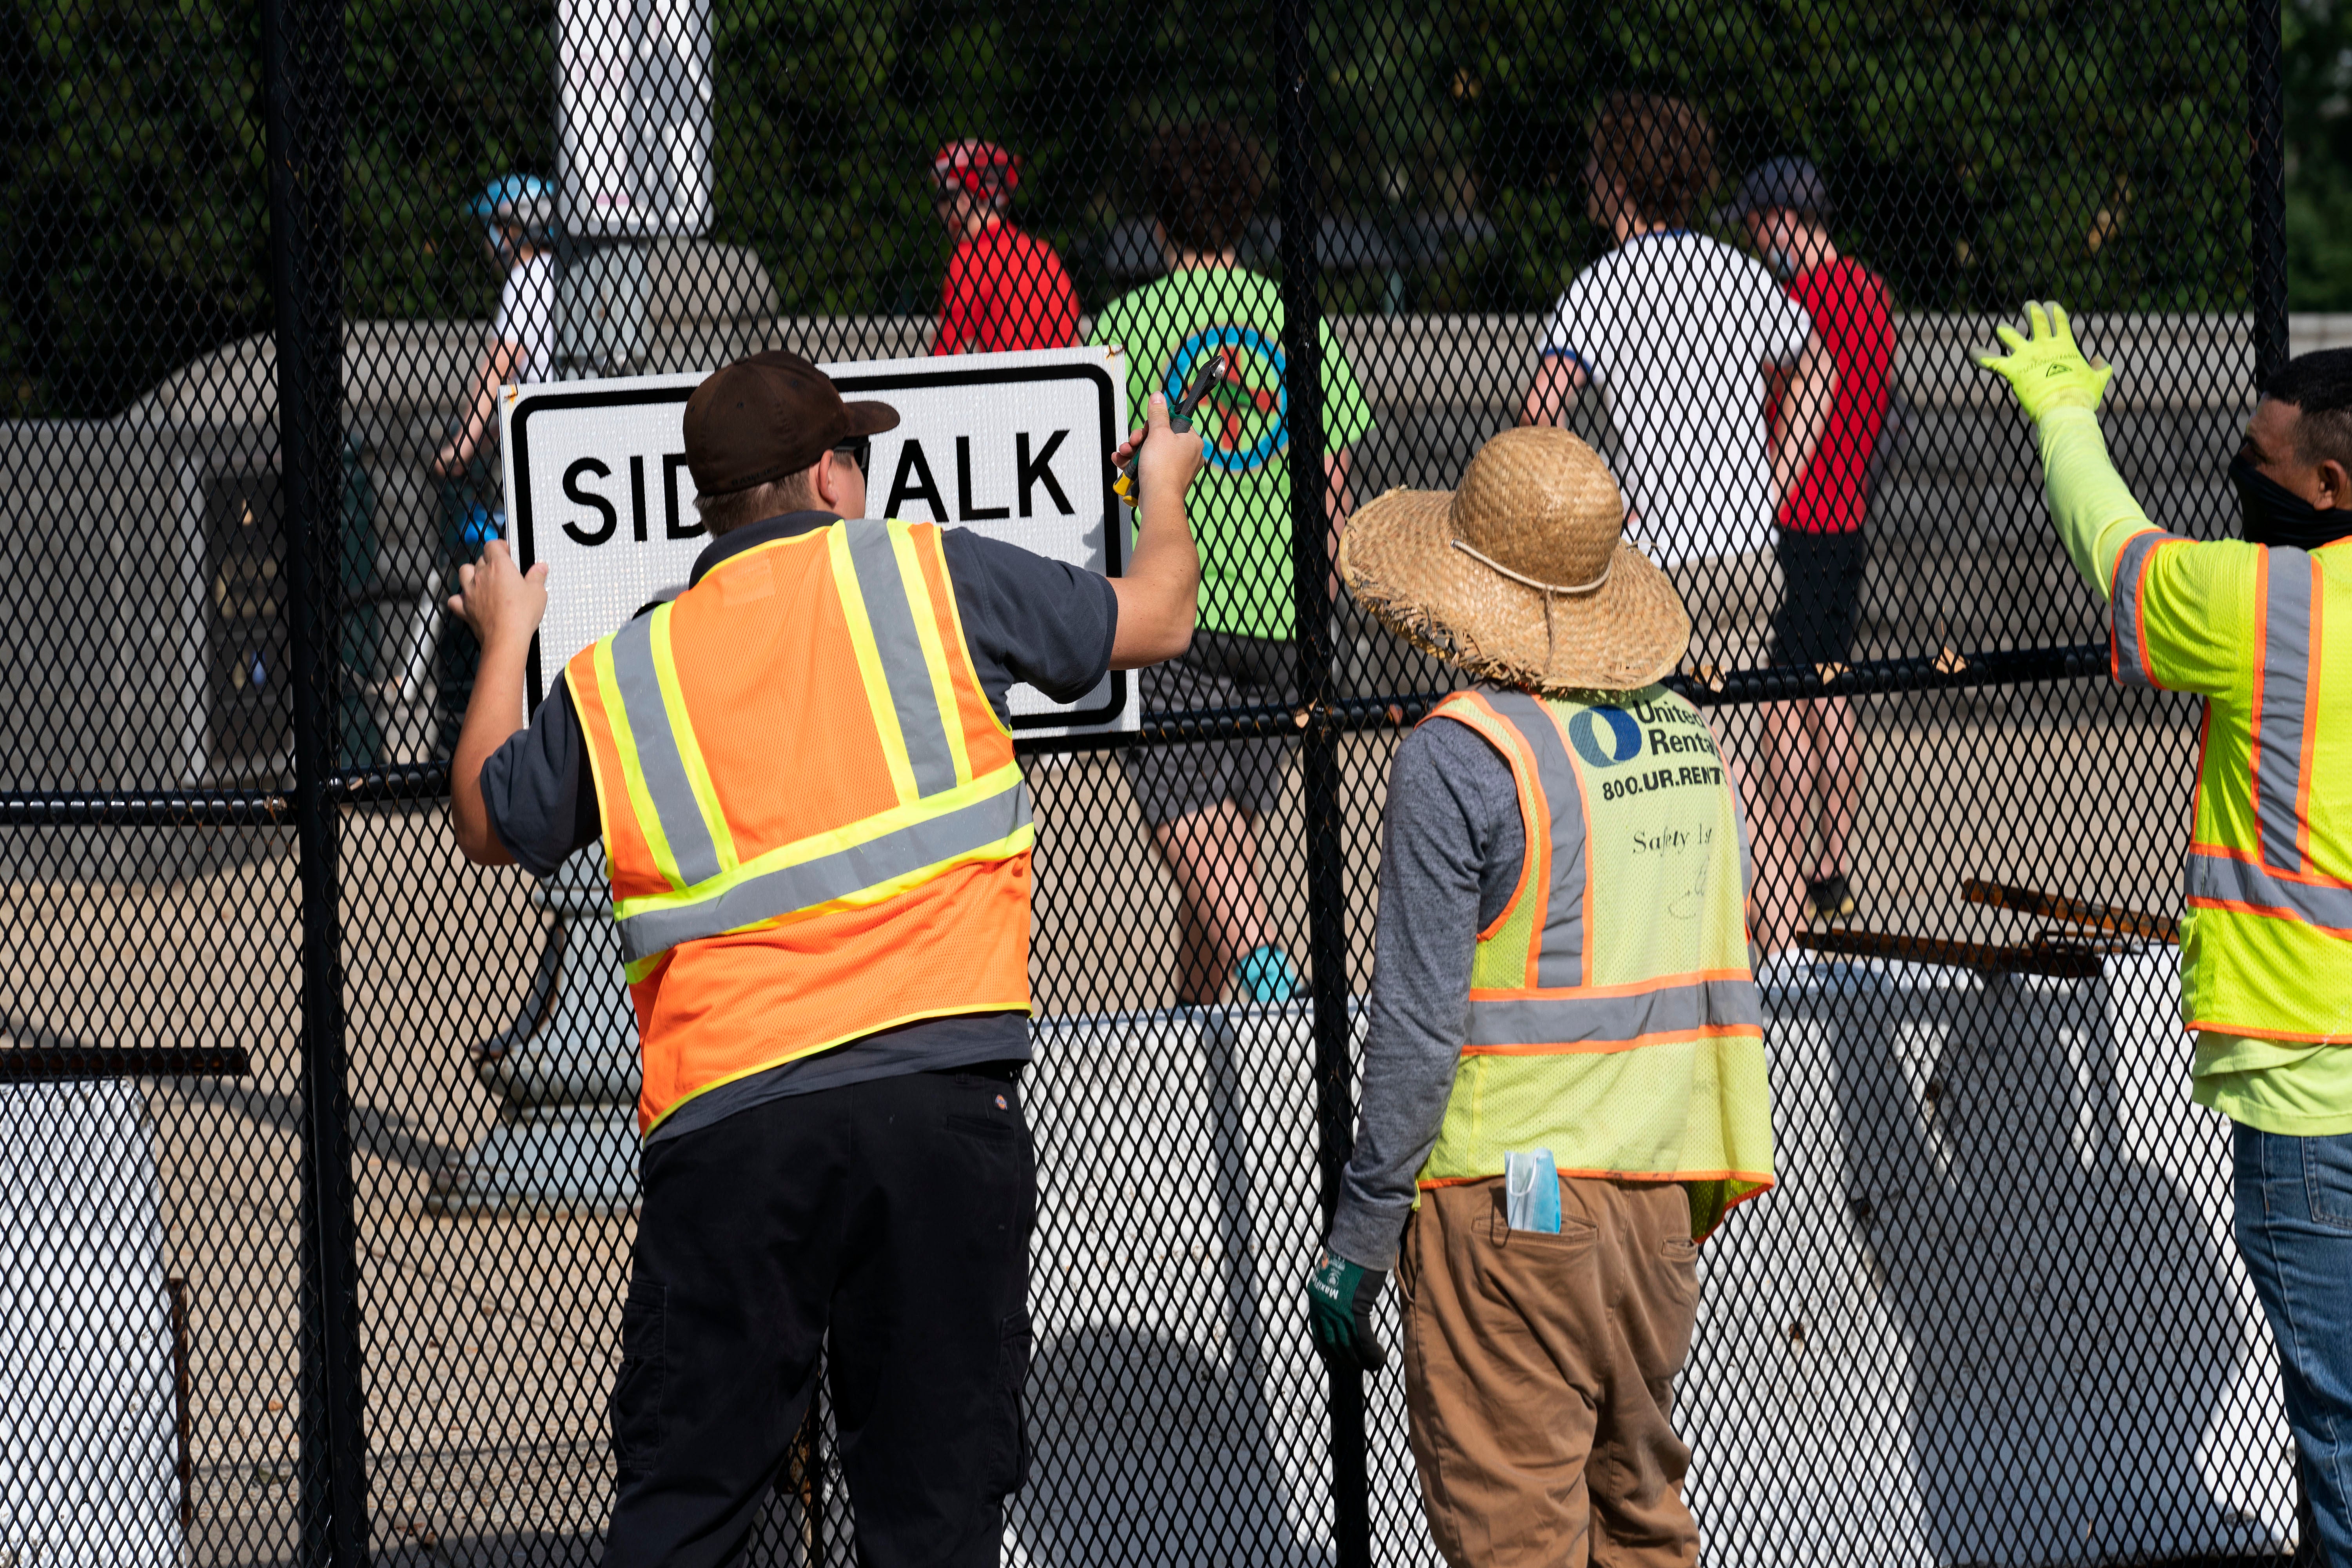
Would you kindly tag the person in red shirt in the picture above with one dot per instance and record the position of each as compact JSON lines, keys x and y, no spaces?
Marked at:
{"x":1005,"y":289}
{"x":1814,"y":744}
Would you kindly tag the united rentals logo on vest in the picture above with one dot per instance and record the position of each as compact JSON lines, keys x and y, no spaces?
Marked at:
{"x":836,"y":800}
{"x":1616,"y":1026}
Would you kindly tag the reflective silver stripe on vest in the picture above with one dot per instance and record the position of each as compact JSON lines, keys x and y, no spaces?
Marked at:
{"x":659,"y":758}
{"x":2279,"y":722}
{"x":920,"y":722}
{"x":2225,"y":880}
{"x":2123,"y":608}
{"x":922,"y":844}
{"x":1599,"y":1020}
{"x":1560,"y":958}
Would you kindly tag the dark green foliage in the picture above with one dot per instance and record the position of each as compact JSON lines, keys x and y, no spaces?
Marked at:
{"x":2319,"y":154}
{"x":130,"y":177}
{"x":1981,"y":154}
{"x":1984,"y":152}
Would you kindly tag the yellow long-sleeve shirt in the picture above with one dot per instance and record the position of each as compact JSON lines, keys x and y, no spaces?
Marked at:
{"x":2196,"y":632}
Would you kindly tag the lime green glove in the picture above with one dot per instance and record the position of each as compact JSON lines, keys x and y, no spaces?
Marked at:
{"x":2046,"y":370}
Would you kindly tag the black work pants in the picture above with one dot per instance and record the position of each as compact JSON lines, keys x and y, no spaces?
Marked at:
{"x":886,"y":1224}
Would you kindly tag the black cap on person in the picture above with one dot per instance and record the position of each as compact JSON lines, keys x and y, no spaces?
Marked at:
{"x":1790,"y":184}
{"x":754,"y":421}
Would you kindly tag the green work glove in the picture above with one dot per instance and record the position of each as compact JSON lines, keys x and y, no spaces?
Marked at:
{"x":2046,"y":370}
{"x":1340,"y":1297}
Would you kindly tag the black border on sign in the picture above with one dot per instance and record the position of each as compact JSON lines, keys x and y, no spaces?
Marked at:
{"x":1114,"y":536}
{"x":526,"y":552}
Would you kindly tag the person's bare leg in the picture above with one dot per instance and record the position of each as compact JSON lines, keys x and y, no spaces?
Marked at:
{"x":1776,"y":900}
{"x":1836,"y":742}
{"x":1213,"y":854}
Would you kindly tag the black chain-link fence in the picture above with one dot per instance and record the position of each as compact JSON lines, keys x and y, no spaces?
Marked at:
{"x":321,"y":1142}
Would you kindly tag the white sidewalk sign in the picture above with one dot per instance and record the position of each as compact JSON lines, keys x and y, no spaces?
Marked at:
{"x":1015,"y":446}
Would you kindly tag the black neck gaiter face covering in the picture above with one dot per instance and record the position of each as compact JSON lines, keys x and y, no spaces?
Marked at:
{"x":2274,"y":514}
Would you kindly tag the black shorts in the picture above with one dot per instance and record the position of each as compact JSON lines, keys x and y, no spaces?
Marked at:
{"x":1820,"y":583}
{"x":1221,"y":669}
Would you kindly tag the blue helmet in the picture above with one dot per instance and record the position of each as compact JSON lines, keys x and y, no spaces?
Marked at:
{"x":519,"y":201}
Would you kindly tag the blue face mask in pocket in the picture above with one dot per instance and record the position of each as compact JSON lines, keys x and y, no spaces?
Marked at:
{"x":1531,"y":1191}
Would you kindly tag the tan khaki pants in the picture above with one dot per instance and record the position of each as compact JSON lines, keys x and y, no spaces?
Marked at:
{"x":1540,"y":1375}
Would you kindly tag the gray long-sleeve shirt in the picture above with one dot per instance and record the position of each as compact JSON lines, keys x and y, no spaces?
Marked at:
{"x":1454,"y":847}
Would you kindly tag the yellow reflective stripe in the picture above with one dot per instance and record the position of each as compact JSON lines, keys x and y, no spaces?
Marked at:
{"x":833,"y":841}
{"x":935,"y":656}
{"x":1022,"y":840}
{"x":633,"y":773}
{"x":689,"y":751}
{"x":878,"y":701}
{"x":955,"y":619}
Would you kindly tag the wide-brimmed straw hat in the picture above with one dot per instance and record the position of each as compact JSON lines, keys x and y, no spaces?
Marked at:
{"x":1520,"y":575}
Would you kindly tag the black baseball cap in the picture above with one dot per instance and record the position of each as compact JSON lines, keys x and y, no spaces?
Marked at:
{"x":774,"y":414}
{"x":1790,"y":184}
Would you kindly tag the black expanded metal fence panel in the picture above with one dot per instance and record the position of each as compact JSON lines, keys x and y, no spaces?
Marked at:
{"x":319,"y":1143}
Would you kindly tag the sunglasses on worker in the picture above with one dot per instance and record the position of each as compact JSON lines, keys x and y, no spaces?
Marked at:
{"x":859,"y":451}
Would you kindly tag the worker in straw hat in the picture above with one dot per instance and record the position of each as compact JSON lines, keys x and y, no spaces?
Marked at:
{"x":1564,"y":1082}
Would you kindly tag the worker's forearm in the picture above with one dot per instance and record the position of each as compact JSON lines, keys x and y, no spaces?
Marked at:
{"x":494,"y":714}
{"x":1160,"y":595}
{"x":2095,"y":512}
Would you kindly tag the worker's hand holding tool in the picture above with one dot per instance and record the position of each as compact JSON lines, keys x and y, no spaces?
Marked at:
{"x":1339,"y":1299}
{"x":1162,"y":458}
{"x":1128,"y":459}
{"x":2046,"y":370}
{"x":503,"y":604}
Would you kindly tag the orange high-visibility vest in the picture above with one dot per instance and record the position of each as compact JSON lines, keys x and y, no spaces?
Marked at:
{"x":1612,"y":1017}
{"x":814,"y":823}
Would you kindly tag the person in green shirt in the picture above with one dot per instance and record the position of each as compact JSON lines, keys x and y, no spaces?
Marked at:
{"x":1202,"y":802}
{"x":2260,"y":628}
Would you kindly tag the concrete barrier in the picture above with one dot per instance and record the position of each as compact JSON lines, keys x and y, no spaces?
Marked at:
{"x":1927,"y":1345}
{"x":1931,"y":1343}
{"x":89,"y":1411}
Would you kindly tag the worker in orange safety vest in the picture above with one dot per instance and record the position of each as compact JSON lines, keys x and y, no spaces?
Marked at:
{"x":801,"y":775}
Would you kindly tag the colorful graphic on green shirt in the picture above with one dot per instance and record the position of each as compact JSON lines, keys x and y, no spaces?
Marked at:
{"x":1241,"y":504}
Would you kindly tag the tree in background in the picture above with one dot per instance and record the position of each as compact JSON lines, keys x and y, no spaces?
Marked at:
{"x":1983,"y":153}
{"x":2319,"y":154}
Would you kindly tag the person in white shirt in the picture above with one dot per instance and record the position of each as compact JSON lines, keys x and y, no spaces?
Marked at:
{"x":518,"y":213}
{"x":1680,"y":331}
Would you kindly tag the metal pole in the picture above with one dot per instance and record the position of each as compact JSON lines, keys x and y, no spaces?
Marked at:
{"x":2266,"y":289}
{"x":302,"y":49}
{"x":2266,"y":177}
{"x":1326,"y":897}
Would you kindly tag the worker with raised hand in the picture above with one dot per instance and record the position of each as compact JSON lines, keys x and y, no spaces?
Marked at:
{"x":818,"y":839}
{"x":1564,"y":1077}
{"x":2262,"y":630}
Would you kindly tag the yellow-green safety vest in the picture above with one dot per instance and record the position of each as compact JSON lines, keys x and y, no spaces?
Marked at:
{"x":2266,"y":944}
{"x":1613,"y":1018}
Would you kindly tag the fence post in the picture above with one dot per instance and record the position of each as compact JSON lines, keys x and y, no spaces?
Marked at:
{"x":1326,"y":893}
{"x":2266,"y":180}
{"x":2266,"y":289}
{"x":302,"y":53}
